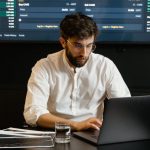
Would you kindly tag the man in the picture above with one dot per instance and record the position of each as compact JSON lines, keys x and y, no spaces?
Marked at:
{"x":70,"y":86}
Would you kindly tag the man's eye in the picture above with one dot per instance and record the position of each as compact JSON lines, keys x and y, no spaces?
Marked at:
{"x":78,"y":45}
{"x":89,"y":46}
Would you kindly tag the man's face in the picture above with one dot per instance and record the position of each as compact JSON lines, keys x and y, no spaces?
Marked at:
{"x":78,"y":51}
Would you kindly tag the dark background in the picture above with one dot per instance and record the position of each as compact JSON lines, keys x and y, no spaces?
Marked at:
{"x":17,"y":59}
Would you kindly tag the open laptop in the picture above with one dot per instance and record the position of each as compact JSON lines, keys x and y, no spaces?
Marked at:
{"x":125,"y":119}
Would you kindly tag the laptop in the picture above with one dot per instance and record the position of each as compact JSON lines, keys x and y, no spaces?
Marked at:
{"x":125,"y":119}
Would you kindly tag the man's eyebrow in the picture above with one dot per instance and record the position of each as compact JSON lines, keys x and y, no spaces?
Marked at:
{"x":82,"y":44}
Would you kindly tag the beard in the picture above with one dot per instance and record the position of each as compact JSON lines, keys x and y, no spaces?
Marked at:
{"x":78,"y":61}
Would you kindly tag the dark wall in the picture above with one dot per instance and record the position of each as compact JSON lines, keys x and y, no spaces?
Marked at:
{"x":17,"y":59}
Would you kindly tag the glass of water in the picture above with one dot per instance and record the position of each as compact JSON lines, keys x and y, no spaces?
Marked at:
{"x":62,"y":132}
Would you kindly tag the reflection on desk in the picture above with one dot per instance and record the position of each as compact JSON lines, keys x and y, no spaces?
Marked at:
{"x":75,"y":144}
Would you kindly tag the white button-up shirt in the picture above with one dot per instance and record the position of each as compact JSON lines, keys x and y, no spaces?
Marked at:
{"x":54,"y":87}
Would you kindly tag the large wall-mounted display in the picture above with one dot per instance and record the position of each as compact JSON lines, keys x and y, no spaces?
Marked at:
{"x":119,"y":21}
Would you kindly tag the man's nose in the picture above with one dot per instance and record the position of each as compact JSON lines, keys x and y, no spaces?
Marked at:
{"x":84,"y":51}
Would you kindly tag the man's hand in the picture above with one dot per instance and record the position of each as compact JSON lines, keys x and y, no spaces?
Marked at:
{"x":91,"y":123}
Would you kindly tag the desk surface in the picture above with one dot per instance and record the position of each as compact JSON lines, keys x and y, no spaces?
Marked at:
{"x":77,"y":144}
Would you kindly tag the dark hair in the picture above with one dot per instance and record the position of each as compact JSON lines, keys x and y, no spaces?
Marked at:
{"x":79,"y":26}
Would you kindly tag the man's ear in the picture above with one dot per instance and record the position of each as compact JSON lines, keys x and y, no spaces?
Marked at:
{"x":62,"y":42}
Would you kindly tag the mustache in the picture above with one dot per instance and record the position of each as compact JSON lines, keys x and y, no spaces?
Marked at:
{"x":81,"y":57}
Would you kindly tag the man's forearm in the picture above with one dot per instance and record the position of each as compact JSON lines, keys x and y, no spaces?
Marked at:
{"x":48,"y":121}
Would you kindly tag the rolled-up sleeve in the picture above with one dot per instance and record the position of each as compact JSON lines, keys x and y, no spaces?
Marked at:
{"x":37,"y":94}
{"x":116,"y":86}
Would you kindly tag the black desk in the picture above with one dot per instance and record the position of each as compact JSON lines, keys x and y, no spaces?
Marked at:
{"x":77,"y":144}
